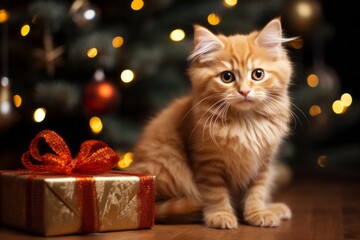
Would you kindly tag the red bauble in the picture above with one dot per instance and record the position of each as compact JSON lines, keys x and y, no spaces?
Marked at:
{"x":101,"y":97}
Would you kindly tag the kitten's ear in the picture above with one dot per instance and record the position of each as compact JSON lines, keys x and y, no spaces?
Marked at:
{"x":271,"y":38}
{"x":205,"y":43}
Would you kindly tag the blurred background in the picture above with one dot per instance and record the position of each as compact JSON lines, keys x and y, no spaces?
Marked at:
{"x":91,"y":69}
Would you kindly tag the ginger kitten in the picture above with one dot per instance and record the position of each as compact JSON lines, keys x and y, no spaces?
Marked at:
{"x":212,"y":151}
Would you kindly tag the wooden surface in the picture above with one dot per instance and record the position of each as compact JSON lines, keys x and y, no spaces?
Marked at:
{"x":322,"y":209}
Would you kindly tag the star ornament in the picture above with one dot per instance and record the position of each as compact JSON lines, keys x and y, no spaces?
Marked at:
{"x":49,"y":56}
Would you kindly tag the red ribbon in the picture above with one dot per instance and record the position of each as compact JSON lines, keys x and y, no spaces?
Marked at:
{"x":95,"y":157}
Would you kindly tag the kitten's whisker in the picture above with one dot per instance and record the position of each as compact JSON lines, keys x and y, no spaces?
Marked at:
{"x":212,"y":130}
{"x":302,"y":113}
{"x":224,"y":113}
{"x":205,"y":112}
{"x":222,"y":110}
{"x":211,"y":123}
{"x":193,"y":107}
{"x":229,"y":101}
{"x":295,"y":117}
{"x":197,"y":104}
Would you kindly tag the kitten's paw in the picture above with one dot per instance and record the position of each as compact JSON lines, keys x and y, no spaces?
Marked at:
{"x":281,"y":209}
{"x":222,"y":219}
{"x":263,"y":218}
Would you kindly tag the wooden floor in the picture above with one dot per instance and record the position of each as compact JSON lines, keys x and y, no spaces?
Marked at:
{"x":322,"y":209}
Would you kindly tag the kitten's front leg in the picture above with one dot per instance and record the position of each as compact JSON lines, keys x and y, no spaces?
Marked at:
{"x":256,"y":211}
{"x":217,"y":209}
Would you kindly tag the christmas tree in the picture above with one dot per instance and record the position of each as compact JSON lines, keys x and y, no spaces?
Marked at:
{"x":101,"y":69}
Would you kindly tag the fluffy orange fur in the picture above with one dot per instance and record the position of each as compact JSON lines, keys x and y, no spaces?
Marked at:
{"x":212,"y":151}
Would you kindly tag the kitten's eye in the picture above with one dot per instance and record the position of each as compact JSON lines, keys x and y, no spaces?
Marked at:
{"x":257,"y":74}
{"x":227,"y":77}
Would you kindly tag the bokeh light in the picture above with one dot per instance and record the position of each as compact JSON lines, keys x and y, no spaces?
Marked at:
{"x":346,"y":99}
{"x":322,"y":160}
{"x":96,"y":125}
{"x":230,"y":3}
{"x":89,"y":14}
{"x":106,"y":90}
{"x":25,"y":30}
{"x":304,"y":9}
{"x":39,"y":115}
{"x":125,"y":160}
{"x":314,"y":110}
{"x":338,"y":107}
{"x":4,"y":81}
{"x":127,"y":76}
{"x":312,"y":80}
{"x":5,"y":107}
{"x":4,"y":15}
{"x":213,"y":19}
{"x":92,"y":52}
{"x":137,"y":5}
{"x":177,"y":35}
{"x":17,"y":100}
{"x":117,"y":41}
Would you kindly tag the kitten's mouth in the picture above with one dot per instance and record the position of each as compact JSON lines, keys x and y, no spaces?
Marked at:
{"x":245,"y":103}
{"x":246,"y":100}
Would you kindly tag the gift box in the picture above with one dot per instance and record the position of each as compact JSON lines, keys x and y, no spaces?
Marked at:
{"x":75,"y":197}
{"x":57,"y":205}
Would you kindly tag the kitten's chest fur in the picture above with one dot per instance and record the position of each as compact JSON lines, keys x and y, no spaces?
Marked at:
{"x":244,"y":143}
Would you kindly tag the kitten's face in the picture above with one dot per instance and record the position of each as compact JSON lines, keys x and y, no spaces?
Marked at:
{"x":246,"y":72}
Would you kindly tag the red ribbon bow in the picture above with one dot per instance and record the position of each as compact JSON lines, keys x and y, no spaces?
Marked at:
{"x":95,"y":157}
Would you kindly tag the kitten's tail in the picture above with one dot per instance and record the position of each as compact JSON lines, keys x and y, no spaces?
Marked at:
{"x":178,"y":210}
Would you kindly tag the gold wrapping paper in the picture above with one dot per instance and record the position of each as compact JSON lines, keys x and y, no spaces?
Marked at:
{"x":54,"y":207}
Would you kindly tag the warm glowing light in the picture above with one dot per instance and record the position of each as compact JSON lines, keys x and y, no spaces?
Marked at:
{"x":230,"y":3}
{"x":5,"y":107}
{"x":4,"y":81}
{"x":89,"y":14}
{"x":346,"y":99}
{"x":137,"y":5}
{"x":117,"y":41}
{"x":92,"y":52}
{"x":99,"y":75}
{"x":39,"y":115}
{"x":25,"y":30}
{"x":297,"y":43}
{"x":304,"y":9}
{"x":4,"y":15}
{"x":322,"y":160}
{"x":338,"y":107}
{"x":314,"y":110}
{"x":17,"y":100}
{"x":127,"y":76}
{"x":177,"y":35}
{"x":312,"y":80}
{"x":106,"y":90}
{"x":96,"y":125}
{"x":125,"y":160}
{"x":213,"y":19}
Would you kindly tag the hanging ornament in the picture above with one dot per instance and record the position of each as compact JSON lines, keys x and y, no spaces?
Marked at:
{"x":100,"y":96}
{"x":49,"y":56}
{"x":7,"y":114}
{"x":83,"y":12}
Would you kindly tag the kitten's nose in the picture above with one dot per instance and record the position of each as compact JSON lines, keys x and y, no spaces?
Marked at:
{"x":244,"y":92}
